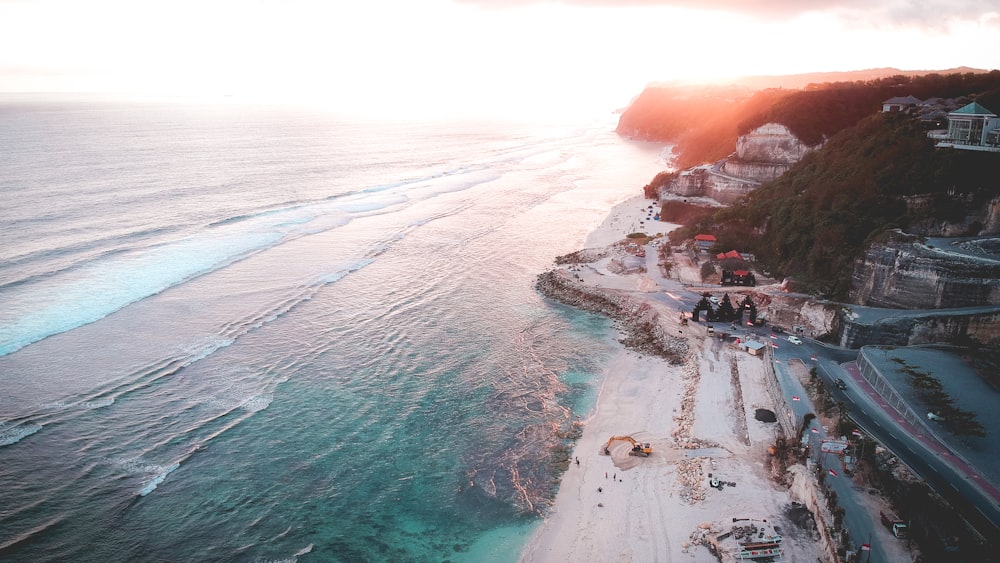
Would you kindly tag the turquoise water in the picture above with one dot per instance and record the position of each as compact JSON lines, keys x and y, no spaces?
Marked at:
{"x":246,"y":334}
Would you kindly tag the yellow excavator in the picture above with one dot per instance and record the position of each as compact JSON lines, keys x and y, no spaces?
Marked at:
{"x":639,"y":449}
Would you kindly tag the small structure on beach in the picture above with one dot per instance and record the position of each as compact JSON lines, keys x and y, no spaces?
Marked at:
{"x":704,"y":241}
{"x":753,"y":347}
{"x":738,"y":277}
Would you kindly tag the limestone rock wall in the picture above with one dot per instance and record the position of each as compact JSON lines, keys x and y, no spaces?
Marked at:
{"x":761,"y":156}
{"x":905,"y":274}
{"x":771,"y":142}
{"x":758,"y":171}
{"x":982,"y":326}
{"x":689,"y":183}
{"x":727,"y":189}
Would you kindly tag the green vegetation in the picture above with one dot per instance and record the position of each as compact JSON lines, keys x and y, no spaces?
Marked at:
{"x":874,"y":172}
{"x":821,"y":111}
{"x":702,"y":121}
{"x":707,"y":270}
{"x":660,"y":181}
{"x":815,"y":220}
{"x":705,"y":121}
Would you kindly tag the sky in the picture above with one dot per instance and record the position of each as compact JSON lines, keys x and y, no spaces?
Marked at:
{"x":514,"y":58}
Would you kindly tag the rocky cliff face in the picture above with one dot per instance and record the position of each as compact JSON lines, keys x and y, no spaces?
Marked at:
{"x":771,"y":142}
{"x":979,"y":214}
{"x":761,"y":156}
{"x":955,"y":326}
{"x":905,"y":273}
{"x":758,"y":172}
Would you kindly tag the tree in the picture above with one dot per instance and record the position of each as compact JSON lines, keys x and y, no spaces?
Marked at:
{"x":726,"y":311}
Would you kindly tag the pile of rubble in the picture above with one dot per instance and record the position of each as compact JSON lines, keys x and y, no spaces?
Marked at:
{"x":703,"y":535}
{"x":685,"y":419}
{"x":692,"y":480}
{"x":585,"y":256}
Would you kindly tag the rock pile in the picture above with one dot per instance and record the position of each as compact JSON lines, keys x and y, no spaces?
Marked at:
{"x":639,"y":322}
{"x":692,"y":480}
{"x":585,"y":256}
{"x":685,"y":419}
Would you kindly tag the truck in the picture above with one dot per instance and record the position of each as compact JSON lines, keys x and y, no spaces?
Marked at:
{"x":894,"y":523}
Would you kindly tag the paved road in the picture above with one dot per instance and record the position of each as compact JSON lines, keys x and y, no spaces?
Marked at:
{"x":947,"y":473}
{"x":858,"y":521}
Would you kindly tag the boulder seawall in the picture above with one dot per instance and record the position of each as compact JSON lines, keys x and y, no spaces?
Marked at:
{"x":639,"y":322}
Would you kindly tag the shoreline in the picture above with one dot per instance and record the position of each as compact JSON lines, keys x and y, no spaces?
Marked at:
{"x":690,"y":396}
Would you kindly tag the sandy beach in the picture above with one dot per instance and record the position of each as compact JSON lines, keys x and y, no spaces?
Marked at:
{"x":696,"y":410}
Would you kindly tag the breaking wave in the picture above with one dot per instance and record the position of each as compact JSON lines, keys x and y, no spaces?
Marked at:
{"x":12,"y":434}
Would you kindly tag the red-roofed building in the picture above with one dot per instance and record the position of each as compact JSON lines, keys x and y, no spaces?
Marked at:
{"x":705,"y":241}
{"x":738,"y":277}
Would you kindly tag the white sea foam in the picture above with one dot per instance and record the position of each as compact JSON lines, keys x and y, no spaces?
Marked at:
{"x":200,"y":350}
{"x":160,"y":477}
{"x":135,"y":465}
{"x":98,"y":404}
{"x":85,"y":405}
{"x":257,"y":402}
{"x":12,"y":434}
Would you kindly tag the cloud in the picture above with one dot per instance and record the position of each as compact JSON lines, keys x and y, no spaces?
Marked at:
{"x":919,"y":13}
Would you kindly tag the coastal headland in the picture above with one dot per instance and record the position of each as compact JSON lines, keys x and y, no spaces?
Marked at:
{"x":694,"y":399}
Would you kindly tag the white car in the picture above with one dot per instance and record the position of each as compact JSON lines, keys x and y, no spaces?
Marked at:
{"x":795,"y":340}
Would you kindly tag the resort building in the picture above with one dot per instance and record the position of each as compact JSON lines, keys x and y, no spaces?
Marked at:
{"x":972,"y":127}
{"x":900,"y":103}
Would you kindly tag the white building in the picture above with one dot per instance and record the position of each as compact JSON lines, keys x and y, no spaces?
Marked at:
{"x":900,"y":103}
{"x":972,"y":127}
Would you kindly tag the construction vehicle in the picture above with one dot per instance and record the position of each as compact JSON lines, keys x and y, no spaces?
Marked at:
{"x":638,"y":449}
{"x":894,"y":523}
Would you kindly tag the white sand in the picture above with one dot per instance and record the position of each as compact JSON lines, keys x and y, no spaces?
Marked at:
{"x":650,"y":512}
{"x":630,"y":216}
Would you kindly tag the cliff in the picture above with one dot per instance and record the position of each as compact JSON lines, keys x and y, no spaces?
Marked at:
{"x":907,"y":273}
{"x":761,"y":156}
{"x":906,"y":328}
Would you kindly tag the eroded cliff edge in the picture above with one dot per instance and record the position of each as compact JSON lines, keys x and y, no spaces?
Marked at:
{"x":909,"y":272}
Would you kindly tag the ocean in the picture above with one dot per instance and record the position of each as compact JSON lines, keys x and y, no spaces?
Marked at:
{"x":238,"y":333}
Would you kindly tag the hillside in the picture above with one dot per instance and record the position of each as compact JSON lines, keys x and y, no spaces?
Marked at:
{"x":705,"y":121}
{"x":813,"y":222}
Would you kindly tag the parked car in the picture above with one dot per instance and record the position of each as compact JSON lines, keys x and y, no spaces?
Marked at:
{"x":795,"y":340}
